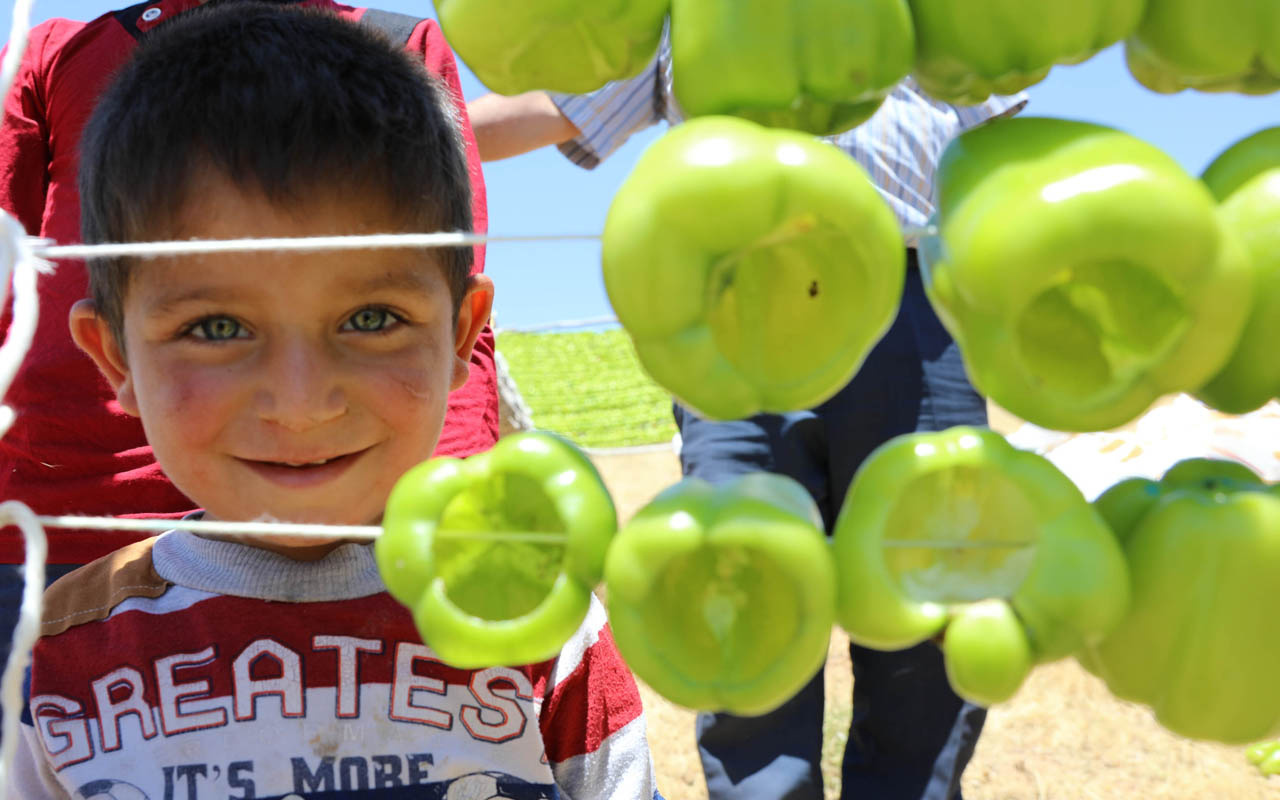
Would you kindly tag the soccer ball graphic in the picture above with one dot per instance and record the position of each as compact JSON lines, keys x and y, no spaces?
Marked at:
{"x":108,"y":789}
{"x":490,"y":786}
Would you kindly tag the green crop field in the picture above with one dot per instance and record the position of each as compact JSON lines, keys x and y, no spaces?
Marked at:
{"x":588,"y":386}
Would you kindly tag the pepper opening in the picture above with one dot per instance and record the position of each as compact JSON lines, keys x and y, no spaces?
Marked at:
{"x":765,"y":298}
{"x":955,"y":508}
{"x":1114,"y":318}
{"x":722,"y":616}
{"x":493,"y":578}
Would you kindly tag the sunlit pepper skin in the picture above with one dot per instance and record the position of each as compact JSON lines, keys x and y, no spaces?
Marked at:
{"x":968,"y":50}
{"x":573,"y":46}
{"x":822,"y":67}
{"x":1265,"y":756}
{"x":1207,"y":45}
{"x":1201,"y":641}
{"x":480,"y":600}
{"x":1082,"y":272}
{"x":1246,"y":181}
{"x":753,"y":268}
{"x":958,"y":528}
{"x":722,"y":597}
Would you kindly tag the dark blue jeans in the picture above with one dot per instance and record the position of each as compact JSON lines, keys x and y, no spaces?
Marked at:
{"x":11,"y":583}
{"x":911,"y":736}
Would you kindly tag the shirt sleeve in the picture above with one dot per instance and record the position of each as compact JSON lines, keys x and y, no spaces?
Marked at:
{"x":24,"y":148}
{"x":592,"y":721}
{"x":995,"y":106}
{"x":609,"y":116}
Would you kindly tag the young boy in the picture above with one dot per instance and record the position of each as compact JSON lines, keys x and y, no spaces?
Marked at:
{"x":71,"y":450}
{"x":296,"y":386}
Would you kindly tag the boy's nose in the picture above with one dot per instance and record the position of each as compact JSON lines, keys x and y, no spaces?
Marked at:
{"x":301,"y":386}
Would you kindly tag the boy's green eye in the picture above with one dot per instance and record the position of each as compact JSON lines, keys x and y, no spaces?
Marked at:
{"x":370,"y":319}
{"x":218,"y":328}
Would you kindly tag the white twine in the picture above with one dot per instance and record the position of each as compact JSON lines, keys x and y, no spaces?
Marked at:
{"x":262,"y":528}
{"x":568,"y":324}
{"x":18,"y":31}
{"x":43,"y":248}
{"x":25,"y":634}
{"x":266,"y":528}
{"x":52,"y":251}
{"x":371,"y":532}
{"x":19,"y":265}
{"x":21,"y":331}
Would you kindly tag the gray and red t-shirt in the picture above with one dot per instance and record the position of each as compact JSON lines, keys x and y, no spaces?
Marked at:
{"x":189,"y":668}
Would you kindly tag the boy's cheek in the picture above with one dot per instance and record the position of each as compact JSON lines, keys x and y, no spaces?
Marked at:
{"x":181,"y":400}
{"x":411,"y":380}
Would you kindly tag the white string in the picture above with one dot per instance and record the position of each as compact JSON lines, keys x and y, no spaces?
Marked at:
{"x":43,"y":248}
{"x":264,"y":528}
{"x":568,"y":324}
{"x":14,"y":350}
{"x":25,"y":634}
{"x":52,"y":251}
{"x":18,"y":31}
{"x":371,"y":532}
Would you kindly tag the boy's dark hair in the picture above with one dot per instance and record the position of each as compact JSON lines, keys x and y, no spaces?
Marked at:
{"x":278,"y":100}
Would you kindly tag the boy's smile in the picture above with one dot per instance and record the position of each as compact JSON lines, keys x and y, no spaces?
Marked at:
{"x":297,"y":386}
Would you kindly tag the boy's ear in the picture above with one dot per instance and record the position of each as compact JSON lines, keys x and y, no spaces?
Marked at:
{"x":93,"y":335}
{"x":473,"y":314}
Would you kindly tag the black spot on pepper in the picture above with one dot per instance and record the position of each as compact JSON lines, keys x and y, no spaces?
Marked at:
{"x":813,"y":289}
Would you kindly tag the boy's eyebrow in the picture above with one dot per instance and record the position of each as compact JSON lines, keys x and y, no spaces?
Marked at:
{"x":201,"y":294}
{"x":409,"y":279}
{"x":412,"y":279}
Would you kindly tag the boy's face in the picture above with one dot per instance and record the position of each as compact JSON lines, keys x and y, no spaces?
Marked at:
{"x":298,"y":386}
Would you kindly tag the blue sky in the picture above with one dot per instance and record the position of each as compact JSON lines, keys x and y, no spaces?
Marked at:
{"x":542,"y":193}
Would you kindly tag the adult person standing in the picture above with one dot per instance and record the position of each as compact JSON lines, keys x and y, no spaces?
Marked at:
{"x":71,"y":449}
{"x":911,"y":736}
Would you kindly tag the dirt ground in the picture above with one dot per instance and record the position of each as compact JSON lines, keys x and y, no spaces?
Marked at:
{"x":1062,"y":737}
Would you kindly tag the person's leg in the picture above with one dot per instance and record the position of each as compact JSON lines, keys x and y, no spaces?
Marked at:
{"x":775,"y":756}
{"x":11,"y":583}
{"x":911,"y":736}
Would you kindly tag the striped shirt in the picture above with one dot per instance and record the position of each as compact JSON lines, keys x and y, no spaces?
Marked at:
{"x":180,"y":662}
{"x":899,"y":146}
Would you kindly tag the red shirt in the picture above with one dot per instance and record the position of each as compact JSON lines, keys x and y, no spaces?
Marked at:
{"x":71,"y":449}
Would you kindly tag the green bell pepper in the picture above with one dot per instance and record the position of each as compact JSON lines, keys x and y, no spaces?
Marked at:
{"x":1265,"y":756}
{"x":1081,"y":271}
{"x":723,"y":597}
{"x":1246,"y":181}
{"x":496,"y":554}
{"x":1202,"y":639}
{"x":959,"y":530}
{"x":968,"y":50}
{"x":1208,"y":45}
{"x":753,"y":268}
{"x":561,"y":45}
{"x":823,"y":67}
